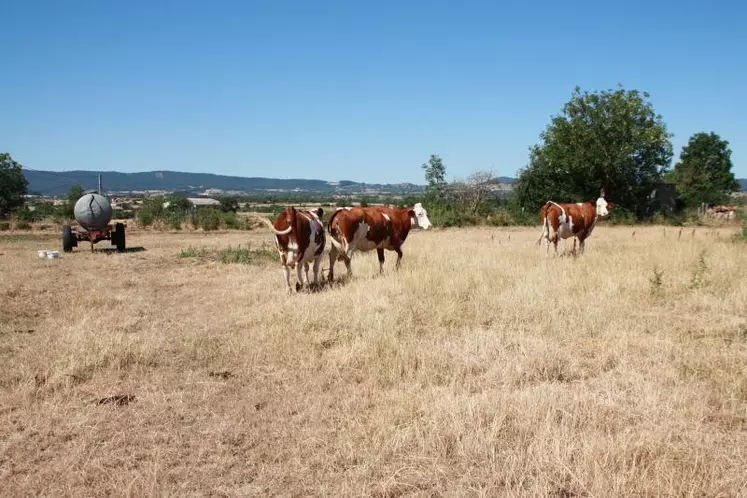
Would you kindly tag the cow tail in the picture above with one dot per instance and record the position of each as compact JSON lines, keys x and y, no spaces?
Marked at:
{"x":544,"y":230}
{"x":332,"y":226}
{"x":545,"y":223}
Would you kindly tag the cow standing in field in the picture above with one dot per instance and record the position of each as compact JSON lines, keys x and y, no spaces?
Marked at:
{"x":299,"y":238}
{"x":571,"y":220}
{"x":365,"y":229}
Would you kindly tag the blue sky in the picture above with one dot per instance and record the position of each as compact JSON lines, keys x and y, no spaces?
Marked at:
{"x":351,"y":90}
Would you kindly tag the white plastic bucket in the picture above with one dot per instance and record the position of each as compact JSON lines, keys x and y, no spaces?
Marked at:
{"x":53,"y":254}
{"x":42,"y":254}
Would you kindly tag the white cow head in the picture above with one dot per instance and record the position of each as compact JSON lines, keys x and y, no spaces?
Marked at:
{"x":603,"y":207}
{"x":419,"y":217}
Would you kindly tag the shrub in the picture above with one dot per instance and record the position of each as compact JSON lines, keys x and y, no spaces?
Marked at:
{"x":4,"y":226}
{"x":698,"y":278}
{"x":23,"y":225}
{"x":208,"y":218}
{"x":656,"y":282}
{"x":230,"y":221}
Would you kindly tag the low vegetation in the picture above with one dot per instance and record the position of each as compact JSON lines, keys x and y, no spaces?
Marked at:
{"x":481,"y":368}
{"x":243,"y":255}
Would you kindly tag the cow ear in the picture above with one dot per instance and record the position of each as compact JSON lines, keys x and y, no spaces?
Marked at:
{"x":319,"y":212}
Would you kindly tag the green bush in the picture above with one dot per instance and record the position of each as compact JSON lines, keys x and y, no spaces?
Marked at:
{"x":208,"y":218}
{"x":621,"y":216}
{"x":230,"y":221}
{"x":4,"y":226}
{"x":23,"y":225}
{"x":150,"y":211}
{"x":28,"y":215}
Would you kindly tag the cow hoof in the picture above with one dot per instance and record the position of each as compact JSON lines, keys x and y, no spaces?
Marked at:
{"x":298,"y":287}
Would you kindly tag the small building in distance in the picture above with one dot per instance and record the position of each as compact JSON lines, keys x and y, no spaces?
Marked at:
{"x":203,"y":201}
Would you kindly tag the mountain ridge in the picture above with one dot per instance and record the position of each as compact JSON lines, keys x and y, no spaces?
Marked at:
{"x":59,"y":183}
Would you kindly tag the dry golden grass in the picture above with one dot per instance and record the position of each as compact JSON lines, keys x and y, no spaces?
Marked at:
{"x":482,"y":368}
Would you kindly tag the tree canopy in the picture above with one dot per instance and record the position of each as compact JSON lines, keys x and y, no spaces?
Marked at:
{"x":610,"y":139}
{"x":13,"y":184}
{"x":703,"y":173}
{"x":435,"y":177}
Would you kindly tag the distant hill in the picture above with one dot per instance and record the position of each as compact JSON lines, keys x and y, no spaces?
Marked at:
{"x":59,"y":183}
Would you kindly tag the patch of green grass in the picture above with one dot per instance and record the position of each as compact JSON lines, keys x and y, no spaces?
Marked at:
{"x":241,"y":255}
{"x":246,"y":255}
{"x":193,"y":252}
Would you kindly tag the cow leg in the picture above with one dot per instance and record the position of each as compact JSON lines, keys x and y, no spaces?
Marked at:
{"x":581,"y":244}
{"x":574,"y":246}
{"x":287,"y":273}
{"x":306,"y":270}
{"x":299,"y":277}
{"x":348,"y":267}
{"x":317,"y":264}
{"x":399,"y":257}
{"x":332,"y":259}
{"x":380,"y":254}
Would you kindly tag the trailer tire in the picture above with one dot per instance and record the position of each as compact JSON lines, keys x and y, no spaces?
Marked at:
{"x":119,"y":231}
{"x":68,"y":239}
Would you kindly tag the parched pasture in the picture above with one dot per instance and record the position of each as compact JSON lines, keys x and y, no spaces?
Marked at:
{"x":481,"y":368}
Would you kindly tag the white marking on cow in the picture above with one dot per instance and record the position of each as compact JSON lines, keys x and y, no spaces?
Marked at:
{"x":386,"y":217}
{"x":421,"y":217}
{"x":360,"y":242}
{"x":565,"y":228}
{"x":313,"y":246}
{"x":602,"y":207}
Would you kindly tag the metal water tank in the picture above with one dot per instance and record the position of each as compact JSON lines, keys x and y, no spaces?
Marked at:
{"x":93,"y":211}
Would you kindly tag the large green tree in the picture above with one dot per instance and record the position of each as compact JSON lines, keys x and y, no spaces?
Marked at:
{"x":703,"y":173}
{"x":435,"y":177}
{"x":610,"y":139}
{"x":13,"y":185}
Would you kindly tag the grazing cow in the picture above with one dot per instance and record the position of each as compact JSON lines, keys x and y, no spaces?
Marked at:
{"x":571,"y":220}
{"x":366,"y":229}
{"x":299,"y":238}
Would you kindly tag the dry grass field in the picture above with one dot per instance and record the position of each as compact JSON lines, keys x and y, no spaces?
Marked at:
{"x":482,"y":368}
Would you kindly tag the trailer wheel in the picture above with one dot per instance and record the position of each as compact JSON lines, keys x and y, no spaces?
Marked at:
{"x":68,"y":239}
{"x":119,"y":231}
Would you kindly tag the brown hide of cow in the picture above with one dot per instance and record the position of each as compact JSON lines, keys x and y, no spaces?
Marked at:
{"x":300,"y":234}
{"x":345,"y":223}
{"x":583,"y":217}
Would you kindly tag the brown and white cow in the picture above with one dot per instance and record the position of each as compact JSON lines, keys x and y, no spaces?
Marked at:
{"x":566,"y":220}
{"x":299,"y":238}
{"x":365,"y":229}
